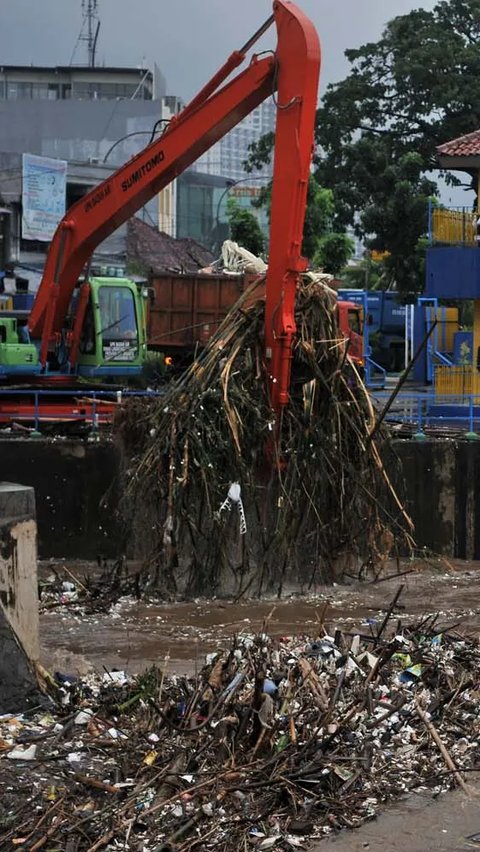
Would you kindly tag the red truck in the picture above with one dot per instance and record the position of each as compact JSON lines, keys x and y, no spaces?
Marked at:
{"x":185,"y":310}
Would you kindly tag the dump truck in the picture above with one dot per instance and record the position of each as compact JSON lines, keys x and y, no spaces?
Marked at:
{"x":185,"y":310}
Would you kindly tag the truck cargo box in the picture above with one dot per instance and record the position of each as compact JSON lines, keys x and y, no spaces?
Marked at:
{"x":185,"y":310}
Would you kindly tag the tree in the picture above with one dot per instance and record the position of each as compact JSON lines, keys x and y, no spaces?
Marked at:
{"x":377,"y":130}
{"x":318,"y":215}
{"x":333,"y":252}
{"x":244,"y":227}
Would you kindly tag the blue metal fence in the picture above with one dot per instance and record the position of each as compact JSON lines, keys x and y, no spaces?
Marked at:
{"x":32,"y":405}
{"x":420,"y":409}
{"x":427,"y":409}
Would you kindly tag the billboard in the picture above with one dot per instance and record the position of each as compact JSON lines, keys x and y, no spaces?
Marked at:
{"x":44,"y":182}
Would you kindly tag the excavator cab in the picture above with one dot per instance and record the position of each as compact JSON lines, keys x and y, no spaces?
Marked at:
{"x":113,"y":338}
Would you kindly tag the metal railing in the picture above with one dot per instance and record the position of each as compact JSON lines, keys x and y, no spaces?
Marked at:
{"x":424,"y":410}
{"x":457,"y":380}
{"x":93,"y":409}
{"x":37,"y":407}
{"x":452,"y":225}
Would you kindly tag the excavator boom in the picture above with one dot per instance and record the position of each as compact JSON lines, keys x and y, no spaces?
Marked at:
{"x":292,"y":72}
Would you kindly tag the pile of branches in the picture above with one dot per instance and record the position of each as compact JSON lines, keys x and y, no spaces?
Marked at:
{"x":271,"y":742}
{"x":323,"y":498}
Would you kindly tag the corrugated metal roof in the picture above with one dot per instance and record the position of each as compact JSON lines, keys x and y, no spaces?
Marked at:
{"x":464,"y":146}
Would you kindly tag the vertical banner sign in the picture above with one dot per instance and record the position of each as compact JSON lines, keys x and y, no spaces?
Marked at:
{"x":44,"y":182}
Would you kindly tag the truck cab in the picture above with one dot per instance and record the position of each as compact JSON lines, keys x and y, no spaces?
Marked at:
{"x":350,"y":321}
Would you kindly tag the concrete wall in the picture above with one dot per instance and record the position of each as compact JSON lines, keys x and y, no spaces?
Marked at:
{"x":18,"y":564}
{"x":442,"y":480}
{"x":71,"y":478}
{"x":76,"y":130}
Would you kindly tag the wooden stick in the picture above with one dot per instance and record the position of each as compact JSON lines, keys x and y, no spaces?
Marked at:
{"x":52,"y":830}
{"x":389,"y":611}
{"x":95,"y":782}
{"x":45,"y":816}
{"x":441,"y":747}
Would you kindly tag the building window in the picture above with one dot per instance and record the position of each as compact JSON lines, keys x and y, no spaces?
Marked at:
{"x":108,"y":91}
{"x":12,"y":91}
{"x":40,"y":91}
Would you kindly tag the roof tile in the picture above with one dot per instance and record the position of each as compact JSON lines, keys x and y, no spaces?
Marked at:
{"x":464,"y":146}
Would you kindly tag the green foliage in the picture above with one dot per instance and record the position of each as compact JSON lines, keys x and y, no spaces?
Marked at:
{"x":419,"y":84}
{"x":333,"y":252}
{"x":318,"y":217}
{"x":319,"y":214}
{"x":378,"y":129}
{"x":260,"y":153}
{"x":395,"y":214}
{"x":244,"y":227}
{"x":365,"y":275}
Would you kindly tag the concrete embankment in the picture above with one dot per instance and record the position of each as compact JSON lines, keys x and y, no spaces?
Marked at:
{"x":71,"y":479}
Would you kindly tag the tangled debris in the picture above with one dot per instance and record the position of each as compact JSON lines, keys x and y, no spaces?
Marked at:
{"x":271,"y":743}
{"x":211,"y":513}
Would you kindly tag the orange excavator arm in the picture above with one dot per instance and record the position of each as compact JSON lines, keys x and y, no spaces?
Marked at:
{"x":292,"y":71}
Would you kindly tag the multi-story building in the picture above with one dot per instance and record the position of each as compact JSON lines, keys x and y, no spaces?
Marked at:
{"x":33,"y":83}
{"x":227,"y":157}
{"x":93,"y":118}
{"x":97,"y":118}
{"x":219,"y":174}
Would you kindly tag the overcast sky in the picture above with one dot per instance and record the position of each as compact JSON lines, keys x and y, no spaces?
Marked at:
{"x":189,"y":39}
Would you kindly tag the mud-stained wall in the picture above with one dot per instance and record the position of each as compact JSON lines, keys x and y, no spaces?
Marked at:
{"x":431,"y":488}
{"x":71,"y":479}
{"x":18,"y":580}
{"x":18,"y":571}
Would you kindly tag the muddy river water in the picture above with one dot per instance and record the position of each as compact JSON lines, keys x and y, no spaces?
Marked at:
{"x":136,"y":634}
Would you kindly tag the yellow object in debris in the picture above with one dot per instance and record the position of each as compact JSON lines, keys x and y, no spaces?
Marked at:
{"x":150,"y":758}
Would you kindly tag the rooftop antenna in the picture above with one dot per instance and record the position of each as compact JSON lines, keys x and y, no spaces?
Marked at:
{"x":92,"y":26}
{"x":89,"y":31}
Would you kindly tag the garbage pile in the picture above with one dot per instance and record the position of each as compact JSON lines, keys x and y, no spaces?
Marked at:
{"x":85,"y":592}
{"x":224,"y":498}
{"x":271,"y":743}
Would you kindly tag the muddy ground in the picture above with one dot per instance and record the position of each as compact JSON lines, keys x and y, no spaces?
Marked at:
{"x":136,"y":634}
